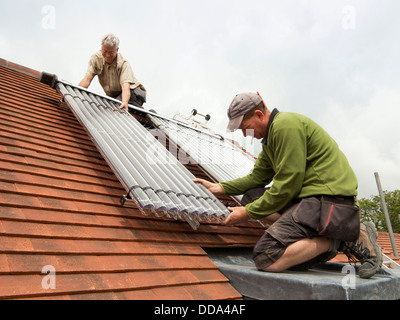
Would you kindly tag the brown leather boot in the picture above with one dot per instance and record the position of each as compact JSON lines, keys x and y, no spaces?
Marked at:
{"x":366,"y":250}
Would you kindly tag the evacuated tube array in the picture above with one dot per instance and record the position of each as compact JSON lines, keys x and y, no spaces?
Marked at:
{"x":157,"y":185}
{"x":221,"y":158}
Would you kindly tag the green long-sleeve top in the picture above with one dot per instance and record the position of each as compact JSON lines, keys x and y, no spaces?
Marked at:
{"x":301,"y":160}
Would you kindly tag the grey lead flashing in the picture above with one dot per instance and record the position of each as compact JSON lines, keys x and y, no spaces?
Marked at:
{"x":327,"y":281}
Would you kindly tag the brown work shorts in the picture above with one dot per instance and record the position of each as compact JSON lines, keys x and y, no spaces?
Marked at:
{"x":288,"y":229}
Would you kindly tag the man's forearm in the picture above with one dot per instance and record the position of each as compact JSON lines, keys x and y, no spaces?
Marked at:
{"x":126,"y":93}
{"x":86,"y":81}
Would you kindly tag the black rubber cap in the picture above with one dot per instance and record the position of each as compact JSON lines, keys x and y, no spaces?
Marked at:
{"x":49,"y":79}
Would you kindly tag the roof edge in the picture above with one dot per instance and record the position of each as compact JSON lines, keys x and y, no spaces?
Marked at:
{"x":18,"y":67}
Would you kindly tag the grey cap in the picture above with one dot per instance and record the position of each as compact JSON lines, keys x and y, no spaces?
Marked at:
{"x":241,"y":104}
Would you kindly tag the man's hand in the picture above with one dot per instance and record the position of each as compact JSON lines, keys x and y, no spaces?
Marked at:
{"x":214,"y":188}
{"x":124,"y":105}
{"x":238,"y":215}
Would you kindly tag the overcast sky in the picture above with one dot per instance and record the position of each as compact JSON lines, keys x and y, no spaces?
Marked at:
{"x":334,"y":61}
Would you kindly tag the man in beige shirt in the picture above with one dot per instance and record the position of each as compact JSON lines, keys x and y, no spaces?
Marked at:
{"x":115,"y":74}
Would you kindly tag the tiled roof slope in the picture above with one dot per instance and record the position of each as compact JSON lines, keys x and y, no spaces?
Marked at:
{"x":59,"y":206}
{"x":384,"y":242}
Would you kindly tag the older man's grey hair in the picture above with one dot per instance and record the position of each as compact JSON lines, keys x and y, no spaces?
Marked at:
{"x":110,"y":40}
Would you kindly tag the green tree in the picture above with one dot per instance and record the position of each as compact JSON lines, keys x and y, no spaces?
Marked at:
{"x":371,"y":210}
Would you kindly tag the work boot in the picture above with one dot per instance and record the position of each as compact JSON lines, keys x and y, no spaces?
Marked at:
{"x":366,"y":250}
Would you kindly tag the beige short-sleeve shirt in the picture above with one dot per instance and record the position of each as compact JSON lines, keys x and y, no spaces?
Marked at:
{"x":112,"y":76}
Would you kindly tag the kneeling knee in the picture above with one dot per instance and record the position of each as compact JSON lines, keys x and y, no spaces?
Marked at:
{"x":274,"y":268}
{"x":265,"y":263}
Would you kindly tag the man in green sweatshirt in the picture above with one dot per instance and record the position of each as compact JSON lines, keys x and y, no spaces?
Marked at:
{"x":311,"y":202}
